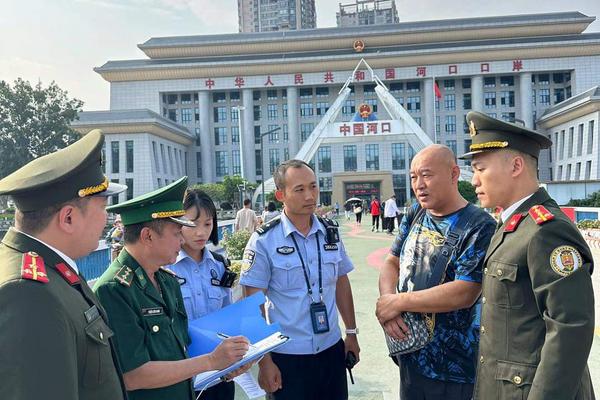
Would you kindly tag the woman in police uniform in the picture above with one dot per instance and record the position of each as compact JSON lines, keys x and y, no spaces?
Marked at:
{"x":207,"y":281}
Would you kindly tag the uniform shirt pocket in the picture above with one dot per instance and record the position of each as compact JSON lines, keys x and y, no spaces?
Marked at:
{"x":188,"y":302}
{"x":287,"y":272}
{"x":514,"y":379}
{"x":503,"y":289}
{"x":216,"y":294}
{"x":330,"y":266}
{"x":98,"y":356}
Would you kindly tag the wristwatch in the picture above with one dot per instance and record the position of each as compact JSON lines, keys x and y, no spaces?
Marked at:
{"x":353,"y":331}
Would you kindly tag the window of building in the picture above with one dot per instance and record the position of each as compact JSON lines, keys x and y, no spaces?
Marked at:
{"x":559,"y":177}
{"x":466,"y":83}
{"x":507,"y":81}
{"x":129,"y":155}
{"x":115,"y":198}
{"x":305,"y":130}
{"x":570,"y":146}
{"x":577,"y":171}
{"x":558,"y":77}
{"x":467,"y":101}
{"x":349,"y":107}
{"x":173,"y":113}
{"x":257,"y":134}
{"x":398,"y":156}
{"x":220,"y":136}
{"x":284,"y":93}
{"x":129,"y":183}
{"x":258,"y":162}
{"x":590,"y":142}
{"x":544,"y":97}
{"x":235,"y":134}
{"x":114,"y":152}
{"x":450,"y":125}
{"x":561,"y":153}
{"x":418,"y":121}
{"x":220,"y":114}
{"x":588,"y":170}
{"x":396,"y":87}
{"x":372,"y":103}
{"x":218,"y":97}
{"x":452,"y":145}
{"x":322,"y":91}
{"x":305,"y":93}
{"x":273,"y":160}
{"x":413,"y":103}
{"x":164,"y":158}
{"x":489,"y":81}
{"x":273,"y":136}
{"x":234,"y":96}
{"x":221,"y":163}
{"x":508,"y":116}
{"x":256,"y":95}
{"x":272,"y":111}
{"x":186,"y":98}
{"x":257,"y":113}
{"x":325,"y":184}
{"x":186,"y":115}
{"x":286,"y":134}
{"x":235,"y":115}
{"x":155,"y":153}
{"x":413,"y":86}
{"x":271,"y":94}
{"x":580,"y":140}
{"x":350,"y":163}
{"x":372,"y":157}
{"x":568,"y":176}
{"x":284,"y":109}
{"x":170,"y":154}
{"x":544,"y":79}
{"x":559,"y":95}
{"x":306,"y":110}
{"x":489,"y":99}
{"x":197,"y":134}
{"x":324,"y":159}
{"x":507,"y":98}
{"x":448,"y":84}
{"x":322,"y":108}
{"x":235,"y":162}
{"x":197,"y":114}
{"x":450,"y":102}
{"x":437,"y":124}
{"x":369,"y":89}
{"x":172,"y":99}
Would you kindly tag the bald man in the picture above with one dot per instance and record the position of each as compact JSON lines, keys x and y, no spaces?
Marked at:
{"x":436,"y":262}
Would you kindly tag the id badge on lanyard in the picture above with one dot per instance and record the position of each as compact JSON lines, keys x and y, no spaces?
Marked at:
{"x":318,"y":310}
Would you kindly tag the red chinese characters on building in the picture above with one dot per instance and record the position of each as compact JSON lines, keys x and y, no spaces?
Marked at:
{"x":421,"y":71}
{"x":452,"y":69}
{"x":517,"y":65}
{"x":358,"y":129}
{"x":485,"y":67}
{"x":390,"y":73}
{"x":386,"y":127}
{"x":298,"y":79}
{"x":372,"y":127}
{"x":209,"y":83}
{"x":269,"y":82}
{"x":328,"y":77}
{"x":239,"y":81}
{"x":344,"y":129}
{"x":359,"y":76}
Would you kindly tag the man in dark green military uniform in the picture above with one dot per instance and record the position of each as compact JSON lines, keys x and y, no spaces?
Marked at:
{"x":537,"y":322}
{"x":145,"y":306}
{"x":54,"y":339}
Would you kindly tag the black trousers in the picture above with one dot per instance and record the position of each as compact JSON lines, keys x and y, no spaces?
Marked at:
{"x":358,"y":217}
{"x":390,"y":224}
{"x":375,"y":221}
{"x":222,"y":391}
{"x":320,"y":376}
{"x":414,"y":386}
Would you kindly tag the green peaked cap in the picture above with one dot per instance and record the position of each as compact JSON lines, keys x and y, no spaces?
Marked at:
{"x":66,"y":174}
{"x":165,"y":202}
{"x":488,"y":134}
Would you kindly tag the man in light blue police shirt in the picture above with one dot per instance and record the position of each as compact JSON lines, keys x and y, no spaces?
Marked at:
{"x":302,"y":266}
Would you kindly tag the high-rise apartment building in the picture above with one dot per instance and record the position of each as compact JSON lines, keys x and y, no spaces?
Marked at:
{"x":367,"y":12}
{"x":276,"y":15}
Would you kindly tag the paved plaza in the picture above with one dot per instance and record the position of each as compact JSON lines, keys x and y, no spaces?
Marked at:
{"x":376,"y":376}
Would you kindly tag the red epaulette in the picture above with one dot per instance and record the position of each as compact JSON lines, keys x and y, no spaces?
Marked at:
{"x":33,"y":267}
{"x":540,"y":214}
{"x":513,"y":223}
{"x":67,"y":273}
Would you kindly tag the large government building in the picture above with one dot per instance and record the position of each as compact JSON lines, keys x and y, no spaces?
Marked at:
{"x":201,"y":105}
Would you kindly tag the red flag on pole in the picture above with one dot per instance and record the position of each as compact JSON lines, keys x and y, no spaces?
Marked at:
{"x":436,"y":88}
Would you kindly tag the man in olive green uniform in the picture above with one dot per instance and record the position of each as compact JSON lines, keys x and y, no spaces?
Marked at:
{"x":145,"y":306}
{"x":54,"y":339}
{"x":537,"y":322}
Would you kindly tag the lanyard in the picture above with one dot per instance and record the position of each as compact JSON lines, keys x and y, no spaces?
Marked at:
{"x":310,"y":291}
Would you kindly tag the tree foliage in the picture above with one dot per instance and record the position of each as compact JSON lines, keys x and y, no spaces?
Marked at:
{"x":593,"y":200}
{"x":216,"y":191}
{"x":34,"y":121}
{"x":467,"y":191}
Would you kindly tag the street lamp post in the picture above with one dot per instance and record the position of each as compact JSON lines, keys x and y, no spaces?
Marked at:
{"x":262,"y":165}
{"x":241,"y":135}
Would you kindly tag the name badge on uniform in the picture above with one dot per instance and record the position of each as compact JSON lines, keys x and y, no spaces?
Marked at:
{"x":285,"y":250}
{"x":318,"y":316}
{"x":91,"y":314}
{"x":213,"y":278}
{"x":330,"y":246}
{"x":149,"y":312}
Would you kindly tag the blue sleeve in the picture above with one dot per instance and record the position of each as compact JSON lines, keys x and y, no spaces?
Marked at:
{"x":469,"y":263}
{"x":346,"y":265}
{"x":256,"y":267}
{"x":403,"y":231}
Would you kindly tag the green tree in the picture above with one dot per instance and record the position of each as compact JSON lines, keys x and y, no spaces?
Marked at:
{"x":216,"y":191}
{"x":231,"y":185}
{"x":593,"y":200}
{"x":34,"y":121}
{"x":467,"y":191}
{"x":271,"y":197}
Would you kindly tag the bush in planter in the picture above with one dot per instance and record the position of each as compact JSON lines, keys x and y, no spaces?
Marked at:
{"x":235,"y":243}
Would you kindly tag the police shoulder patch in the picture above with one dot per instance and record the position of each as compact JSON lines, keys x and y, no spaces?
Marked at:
{"x":248,"y":260}
{"x":565,"y":260}
{"x":264,"y":228}
{"x":124,"y":276}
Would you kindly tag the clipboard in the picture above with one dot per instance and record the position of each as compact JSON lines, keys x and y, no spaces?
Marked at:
{"x":257,"y":350}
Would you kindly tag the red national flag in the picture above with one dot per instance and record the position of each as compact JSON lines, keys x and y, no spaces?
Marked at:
{"x":436,"y":89}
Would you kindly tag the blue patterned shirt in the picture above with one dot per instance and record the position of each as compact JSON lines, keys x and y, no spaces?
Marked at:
{"x":451,"y":355}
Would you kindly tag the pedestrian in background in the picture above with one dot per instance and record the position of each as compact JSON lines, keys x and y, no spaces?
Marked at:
{"x":270,"y":213}
{"x":348,"y":210}
{"x":358,"y":210}
{"x":246,"y":218}
{"x":375,"y":211}
{"x":389,"y":213}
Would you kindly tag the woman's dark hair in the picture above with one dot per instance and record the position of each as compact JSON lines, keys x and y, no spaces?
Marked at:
{"x":271,"y":207}
{"x":195,"y":198}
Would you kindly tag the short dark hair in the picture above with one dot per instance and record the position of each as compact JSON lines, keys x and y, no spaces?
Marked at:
{"x":131,"y":233}
{"x":37,"y":220}
{"x":279,"y":174}
{"x":195,"y":198}
{"x":246,"y":202}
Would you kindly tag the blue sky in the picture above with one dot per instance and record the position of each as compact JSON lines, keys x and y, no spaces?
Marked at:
{"x":63,"y":40}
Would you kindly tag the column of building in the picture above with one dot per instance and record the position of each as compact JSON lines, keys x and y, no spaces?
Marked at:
{"x":247,"y":136}
{"x":207,"y":144}
{"x":292,"y":121}
{"x":477,"y":93}
{"x":525,"y":98}
{"x":428,"y":118}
